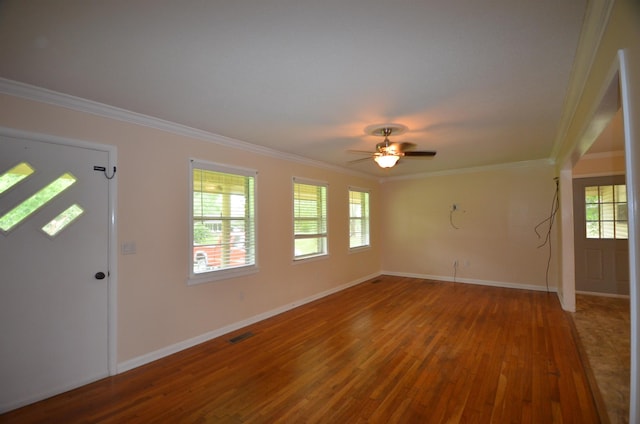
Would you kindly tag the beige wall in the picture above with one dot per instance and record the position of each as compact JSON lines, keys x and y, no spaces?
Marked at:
{"x":156,"y":308}
{"x":495,"y":242}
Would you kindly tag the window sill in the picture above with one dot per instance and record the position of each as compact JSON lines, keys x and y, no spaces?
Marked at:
{"x":223,"y":274}
{"x":310,"y":258}
{"x":359,"y":249}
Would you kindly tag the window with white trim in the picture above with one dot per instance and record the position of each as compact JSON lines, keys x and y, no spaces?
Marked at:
{"x":309,"y":219}
{"x":358,"y":218}
{"x":223,"y":222}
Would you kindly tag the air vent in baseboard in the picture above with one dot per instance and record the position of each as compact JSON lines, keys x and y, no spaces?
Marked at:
{"x":241,"y":337}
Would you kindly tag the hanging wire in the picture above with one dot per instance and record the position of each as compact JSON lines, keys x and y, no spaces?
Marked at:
{"x":555,"y":206}
{"x":451,"y":220}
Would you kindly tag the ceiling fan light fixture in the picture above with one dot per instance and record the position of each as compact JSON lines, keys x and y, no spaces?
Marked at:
{"x":386,"y":161}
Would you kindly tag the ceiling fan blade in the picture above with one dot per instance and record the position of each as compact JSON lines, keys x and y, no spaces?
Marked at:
{"x":403,"y":147}
{"x":420,"y":153}
{"x":361,"y":151}
{"x":360,"y":160}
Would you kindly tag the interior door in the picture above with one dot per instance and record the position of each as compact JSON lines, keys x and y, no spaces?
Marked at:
{"x":600,"y":235}
{"x":54,"y":228}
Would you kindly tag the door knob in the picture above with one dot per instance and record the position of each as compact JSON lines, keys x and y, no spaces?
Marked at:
{"x":100,"y":275}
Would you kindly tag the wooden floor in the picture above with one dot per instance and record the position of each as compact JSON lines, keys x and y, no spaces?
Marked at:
{"x":389,"y":350}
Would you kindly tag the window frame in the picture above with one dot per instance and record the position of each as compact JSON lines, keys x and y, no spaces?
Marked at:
{"x":611,"y":216}
{"x":222,"y":273}
{"x":314,"y":256}
{"x":364,"y":219}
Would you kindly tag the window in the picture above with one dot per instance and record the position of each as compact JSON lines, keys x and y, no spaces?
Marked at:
{"x":63,"y":220}
{"x":14,"y":176}
{"x":36,"y":201}
{"x":606,"y":212}
{"x":358,"y":218}
{"x":310,"y":219}
{"x":223,"y":222}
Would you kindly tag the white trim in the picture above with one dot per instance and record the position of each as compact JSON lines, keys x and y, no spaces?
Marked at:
{"x":630,"y":93}
{"x":112,"y":331}
{"x":185,"y":344}
{"x":567,"y":245}
{"x":360,"y":189}
{"x":471,"y":281}
{"x":617,"y":296}
{"x":359,"y":249}
{"x":600,"y":114}
{"x":597,"y":175}
{"x":593,"y":28}
{"x":221,"y":274}
{"x":222,"y":167}
{"x":38,"y":94}
{"x":603,"y":155}
{"x":113,"y":261}
{"x":475,"y":169}
{"x":309,"y":181}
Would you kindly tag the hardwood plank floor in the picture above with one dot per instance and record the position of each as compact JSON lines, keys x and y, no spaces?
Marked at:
{"x":398,"y":350}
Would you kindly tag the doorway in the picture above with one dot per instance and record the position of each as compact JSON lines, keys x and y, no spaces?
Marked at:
{"x":615,"y":98}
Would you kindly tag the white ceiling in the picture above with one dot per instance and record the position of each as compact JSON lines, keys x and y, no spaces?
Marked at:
{"x":482,"y":82}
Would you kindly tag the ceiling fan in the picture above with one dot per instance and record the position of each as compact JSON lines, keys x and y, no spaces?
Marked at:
{"x":388,"y":153}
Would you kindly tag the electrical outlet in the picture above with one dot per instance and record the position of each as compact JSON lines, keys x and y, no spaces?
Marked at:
{"x":128,"y":248}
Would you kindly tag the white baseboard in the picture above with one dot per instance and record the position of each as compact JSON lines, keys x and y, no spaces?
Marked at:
{"x":588,"y":293}
{"x":185,"y":344}
{"x":472,"y":281}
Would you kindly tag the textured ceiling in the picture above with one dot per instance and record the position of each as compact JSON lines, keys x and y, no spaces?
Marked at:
{"x":481,"y":82}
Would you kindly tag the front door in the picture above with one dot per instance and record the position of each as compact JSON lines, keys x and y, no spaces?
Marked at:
{"x":601,"y":235}
{"x":54,"y":244}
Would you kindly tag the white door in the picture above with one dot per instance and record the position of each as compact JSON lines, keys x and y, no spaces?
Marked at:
{"x":53,"y":303}
{"x":601,"y":235}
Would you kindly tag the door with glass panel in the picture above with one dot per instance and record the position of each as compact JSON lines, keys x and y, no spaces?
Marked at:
{"x":601,"y":235}
{"x":54,"y":227}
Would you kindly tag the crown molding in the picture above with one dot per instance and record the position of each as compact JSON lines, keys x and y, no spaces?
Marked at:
{"x":603,"y":155}
{"x":475,"y":169}
{"x":593,"y":28}
{"x":43,"y":95}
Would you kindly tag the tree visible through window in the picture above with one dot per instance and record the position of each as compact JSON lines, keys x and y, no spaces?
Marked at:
{"x":310,"y":219}
{"x":358,"y":218}
{"x":223,"y":220}
{"x":43,"y":196}
{"x":606,"y":212}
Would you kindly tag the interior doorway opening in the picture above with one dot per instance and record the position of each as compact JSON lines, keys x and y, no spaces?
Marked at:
{"x":596,"y":156}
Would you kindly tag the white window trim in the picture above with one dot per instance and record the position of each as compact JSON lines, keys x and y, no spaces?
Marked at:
{"x":362,"y":190}
{"x":309,"y":258}
{"x":221,"y":274}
